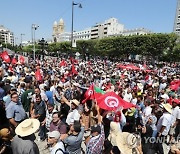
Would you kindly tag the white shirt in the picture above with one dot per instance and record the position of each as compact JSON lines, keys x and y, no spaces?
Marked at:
{"x":134,"y":101}
{"x":162,"y":86}
{"x":175,"y":114}
{"x":147,"y":111}
{"x":53,"y":89}
{"x":165,"y":96}
{"x":73,"y":116}
{"x":128,"y":97}
{"x":57,"y":146}
{"x":165,"y":120}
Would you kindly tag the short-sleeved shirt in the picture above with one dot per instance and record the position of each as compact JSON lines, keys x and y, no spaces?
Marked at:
{"x":7,"y":100}
{"x":41,"y":110}
{"x":72,"y":116}
{"x":26,"y":99}
{"x":165,"y":120}
{"x":16,"y":111}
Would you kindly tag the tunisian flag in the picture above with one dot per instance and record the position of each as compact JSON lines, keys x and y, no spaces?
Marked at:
{"x":5,"y":57}
{"x":93,"y":93}
{"x":111,"y":101}
{"x":21,"y":59}
{"x":14,"y":61}
{"x":38,"y":75}
{"x":89,"y":93}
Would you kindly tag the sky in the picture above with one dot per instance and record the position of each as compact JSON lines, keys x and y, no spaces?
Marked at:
{"x":19,"y":15}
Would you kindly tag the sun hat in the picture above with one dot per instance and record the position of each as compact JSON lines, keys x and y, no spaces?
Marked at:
{"x":76,"y":102}
{"x":27,"y":127}
{"x":126,"y":142}
{"x":167,"y":107}
{"x":54,"y":134}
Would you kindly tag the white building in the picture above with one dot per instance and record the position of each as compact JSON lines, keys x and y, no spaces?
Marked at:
{"x":65,"y":36}
{"x":137,"y":31}
{"x":82,"y":35}
{"x":176,"y":28}
{"x":108,"y":28}
{"x":6,"y":36}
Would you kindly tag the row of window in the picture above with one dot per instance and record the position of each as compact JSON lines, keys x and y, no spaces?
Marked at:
{"x":81,"y":37}
{"x":83,"y":32}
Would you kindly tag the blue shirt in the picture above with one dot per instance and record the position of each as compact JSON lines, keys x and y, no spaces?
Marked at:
{"x":16,"y":111}
{"x":49,"y":95}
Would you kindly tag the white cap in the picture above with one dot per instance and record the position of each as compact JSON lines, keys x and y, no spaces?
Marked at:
{"x":55,"y":134}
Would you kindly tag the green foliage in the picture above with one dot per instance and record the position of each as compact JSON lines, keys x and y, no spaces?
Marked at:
{"x":152,"y":45}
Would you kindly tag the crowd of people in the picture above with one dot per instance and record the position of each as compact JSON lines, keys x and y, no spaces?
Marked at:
{"x":47,"y":98}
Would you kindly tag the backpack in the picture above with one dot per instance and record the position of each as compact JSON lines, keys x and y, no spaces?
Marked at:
{"x":64,"y":152}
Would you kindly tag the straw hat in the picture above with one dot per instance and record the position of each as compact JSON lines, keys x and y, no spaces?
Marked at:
{"x":167,"y":107}
{"x":27,"y":127}
{"x":76,"y":102}
{"x":126,"y":142}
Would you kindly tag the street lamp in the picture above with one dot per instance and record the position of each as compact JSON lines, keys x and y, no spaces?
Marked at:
{"x":33,"y":29}
{"x":44,"y":45}
{"x":80,"y":6}
{"x":21,"y":39}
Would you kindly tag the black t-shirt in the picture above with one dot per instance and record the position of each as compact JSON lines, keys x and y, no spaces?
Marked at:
{"x":41,"y":110}
{"x":64,"y":110}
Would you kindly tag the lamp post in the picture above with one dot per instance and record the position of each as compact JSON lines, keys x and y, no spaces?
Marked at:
{"x":21,"y":39}
{"x":33,"y":29}
{"x":80,"y":6}
{"x":44,"y":45}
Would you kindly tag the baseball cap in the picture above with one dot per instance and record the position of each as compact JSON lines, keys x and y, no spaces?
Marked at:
{"x":54,"y":134}
{"x":96,"y":128}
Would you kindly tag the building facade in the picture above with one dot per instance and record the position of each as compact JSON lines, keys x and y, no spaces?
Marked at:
{"x":6,"y":36}
{"x":176,"y":28}
{"x":136,"y":31}
{"x":110,"y":27}
{"x":82,"y":35}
